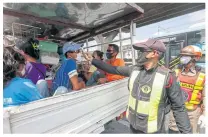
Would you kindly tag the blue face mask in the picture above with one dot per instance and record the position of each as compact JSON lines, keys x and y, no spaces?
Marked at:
{"x":109,"y":55}
{"x":185,"y":60}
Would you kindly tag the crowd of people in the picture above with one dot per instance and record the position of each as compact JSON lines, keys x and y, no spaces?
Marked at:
{"x":160,"y":100}
{"x":24,"y":68}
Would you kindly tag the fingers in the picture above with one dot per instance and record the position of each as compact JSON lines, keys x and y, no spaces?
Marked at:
{"x":85,"y":55}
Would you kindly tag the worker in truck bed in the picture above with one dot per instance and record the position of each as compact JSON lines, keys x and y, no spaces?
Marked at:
{"x":17,"y":89}
{"x":35,"y":70}
{"x":192,"y":82}
{"x":112,"y":59}
{"x":96,"y":74}
{"x":152,"y":89}
{"x":67,"y":76}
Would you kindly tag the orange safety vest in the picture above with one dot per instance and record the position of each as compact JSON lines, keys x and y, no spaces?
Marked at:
{"x":192,"y":87}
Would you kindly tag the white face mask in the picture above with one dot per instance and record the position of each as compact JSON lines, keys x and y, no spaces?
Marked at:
{"x":185,"y":60}
{"x":79,"y":57}
{"x":22,"y":72}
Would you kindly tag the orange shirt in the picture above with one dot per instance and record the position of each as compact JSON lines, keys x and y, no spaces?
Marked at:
{"x":112,"y":77}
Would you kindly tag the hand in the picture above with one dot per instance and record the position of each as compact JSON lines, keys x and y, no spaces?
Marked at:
{"x":201,"y":121}
{"x":102,"y":80}
{"x":22,"y":52}
{"x":87,"y":56}
{"x":83,"y":84}
{"x":19,"y":51}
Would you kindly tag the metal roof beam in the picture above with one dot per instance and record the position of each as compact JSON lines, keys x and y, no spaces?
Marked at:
{"x":112,"y":25}
{"x":170,"y":11}
{"x":15,"y":13}
{"x":136,"y":7}
{"x":107,"y":27}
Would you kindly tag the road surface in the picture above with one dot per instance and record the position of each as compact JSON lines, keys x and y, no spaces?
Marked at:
{"x":117,"y":127}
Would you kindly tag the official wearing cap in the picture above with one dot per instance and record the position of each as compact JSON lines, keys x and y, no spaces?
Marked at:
{"x":152,"y":89}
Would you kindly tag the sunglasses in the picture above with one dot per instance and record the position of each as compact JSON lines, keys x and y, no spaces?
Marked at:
{"x":110,"y":50}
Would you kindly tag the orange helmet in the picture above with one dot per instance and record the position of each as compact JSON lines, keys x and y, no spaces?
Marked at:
{"x":191,"y":51}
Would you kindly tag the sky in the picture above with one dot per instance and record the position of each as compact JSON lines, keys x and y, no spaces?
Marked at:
{"x":184,"y":23}
{"x":192,"y":21}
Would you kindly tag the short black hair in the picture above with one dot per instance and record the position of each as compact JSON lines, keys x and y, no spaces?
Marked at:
{"x":115,"y":47}
{"x":66,"y":54}
{"x":99,"y":53}
{"x":29,"y":49}
{"x":11,"y":61}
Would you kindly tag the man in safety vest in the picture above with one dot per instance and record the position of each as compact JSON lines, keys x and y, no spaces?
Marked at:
{"x":192,"y":80}
{"x":152,"y":90}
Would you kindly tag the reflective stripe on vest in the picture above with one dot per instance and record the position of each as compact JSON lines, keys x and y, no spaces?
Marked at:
{"x":149,"y":108}
{"x":200,"y":80}
{"x":177,"y":71}
{"x":196,"y":97}
{"x":132,"y":101}
{"x":197,"y":88}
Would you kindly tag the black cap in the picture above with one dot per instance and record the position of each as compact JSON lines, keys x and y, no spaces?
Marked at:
{"x":150,"y":44}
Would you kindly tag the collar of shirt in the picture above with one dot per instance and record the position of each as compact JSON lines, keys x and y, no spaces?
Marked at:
{"x":191,"y":72}
{"x":150,"y":70}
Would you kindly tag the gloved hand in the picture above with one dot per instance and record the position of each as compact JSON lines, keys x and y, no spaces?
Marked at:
{"x":201,"y":121}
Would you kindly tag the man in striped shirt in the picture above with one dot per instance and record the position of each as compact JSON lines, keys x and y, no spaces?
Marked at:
{"x":67,"y":75}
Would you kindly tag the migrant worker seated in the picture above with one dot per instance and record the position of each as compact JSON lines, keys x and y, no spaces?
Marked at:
{"x":94,"y":74}
{"x":67,"y":77}
{"x":35,"y":71}
{"x":17,"y":90}
{"x":99,"y":56}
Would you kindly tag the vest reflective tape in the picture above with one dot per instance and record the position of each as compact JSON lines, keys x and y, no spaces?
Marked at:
{"x":195,"y":88}
{"x":198,"y":87}
{"x":177,"y":71}
{"x":196,"y":93}
{"x":186,"y":85}
{"x":196,"y":96}
{"x":194,"y":102}
{"x":155,"y":97}
{"x":200,"y":80}
{"x":150,"y":107}
{"x":143,"y":107}
{"x":132,"y":79}
{"x":190,"y":106}
{"x":132,"y":101}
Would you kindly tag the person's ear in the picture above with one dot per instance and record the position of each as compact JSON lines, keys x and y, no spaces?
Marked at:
{"x":67,"y":54}
{"x":115,"y":53}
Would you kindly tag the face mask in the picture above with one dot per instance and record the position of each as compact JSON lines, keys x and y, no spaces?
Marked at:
{"x":142,"y":59}
{"x":185,"y":60}
{"x":109,"y":55}
{"x":79,"y":57}
{"x":22,"y":73}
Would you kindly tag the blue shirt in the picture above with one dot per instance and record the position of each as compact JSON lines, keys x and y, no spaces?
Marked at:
{"x":67,"y":70}
{"x":20,"y":91}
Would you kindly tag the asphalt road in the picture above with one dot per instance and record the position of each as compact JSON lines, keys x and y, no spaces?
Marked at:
{"x":122,"y":127}
{"x":117,"y":127}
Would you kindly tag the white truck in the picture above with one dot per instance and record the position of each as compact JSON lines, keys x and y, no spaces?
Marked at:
{"x":84,"y":111}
